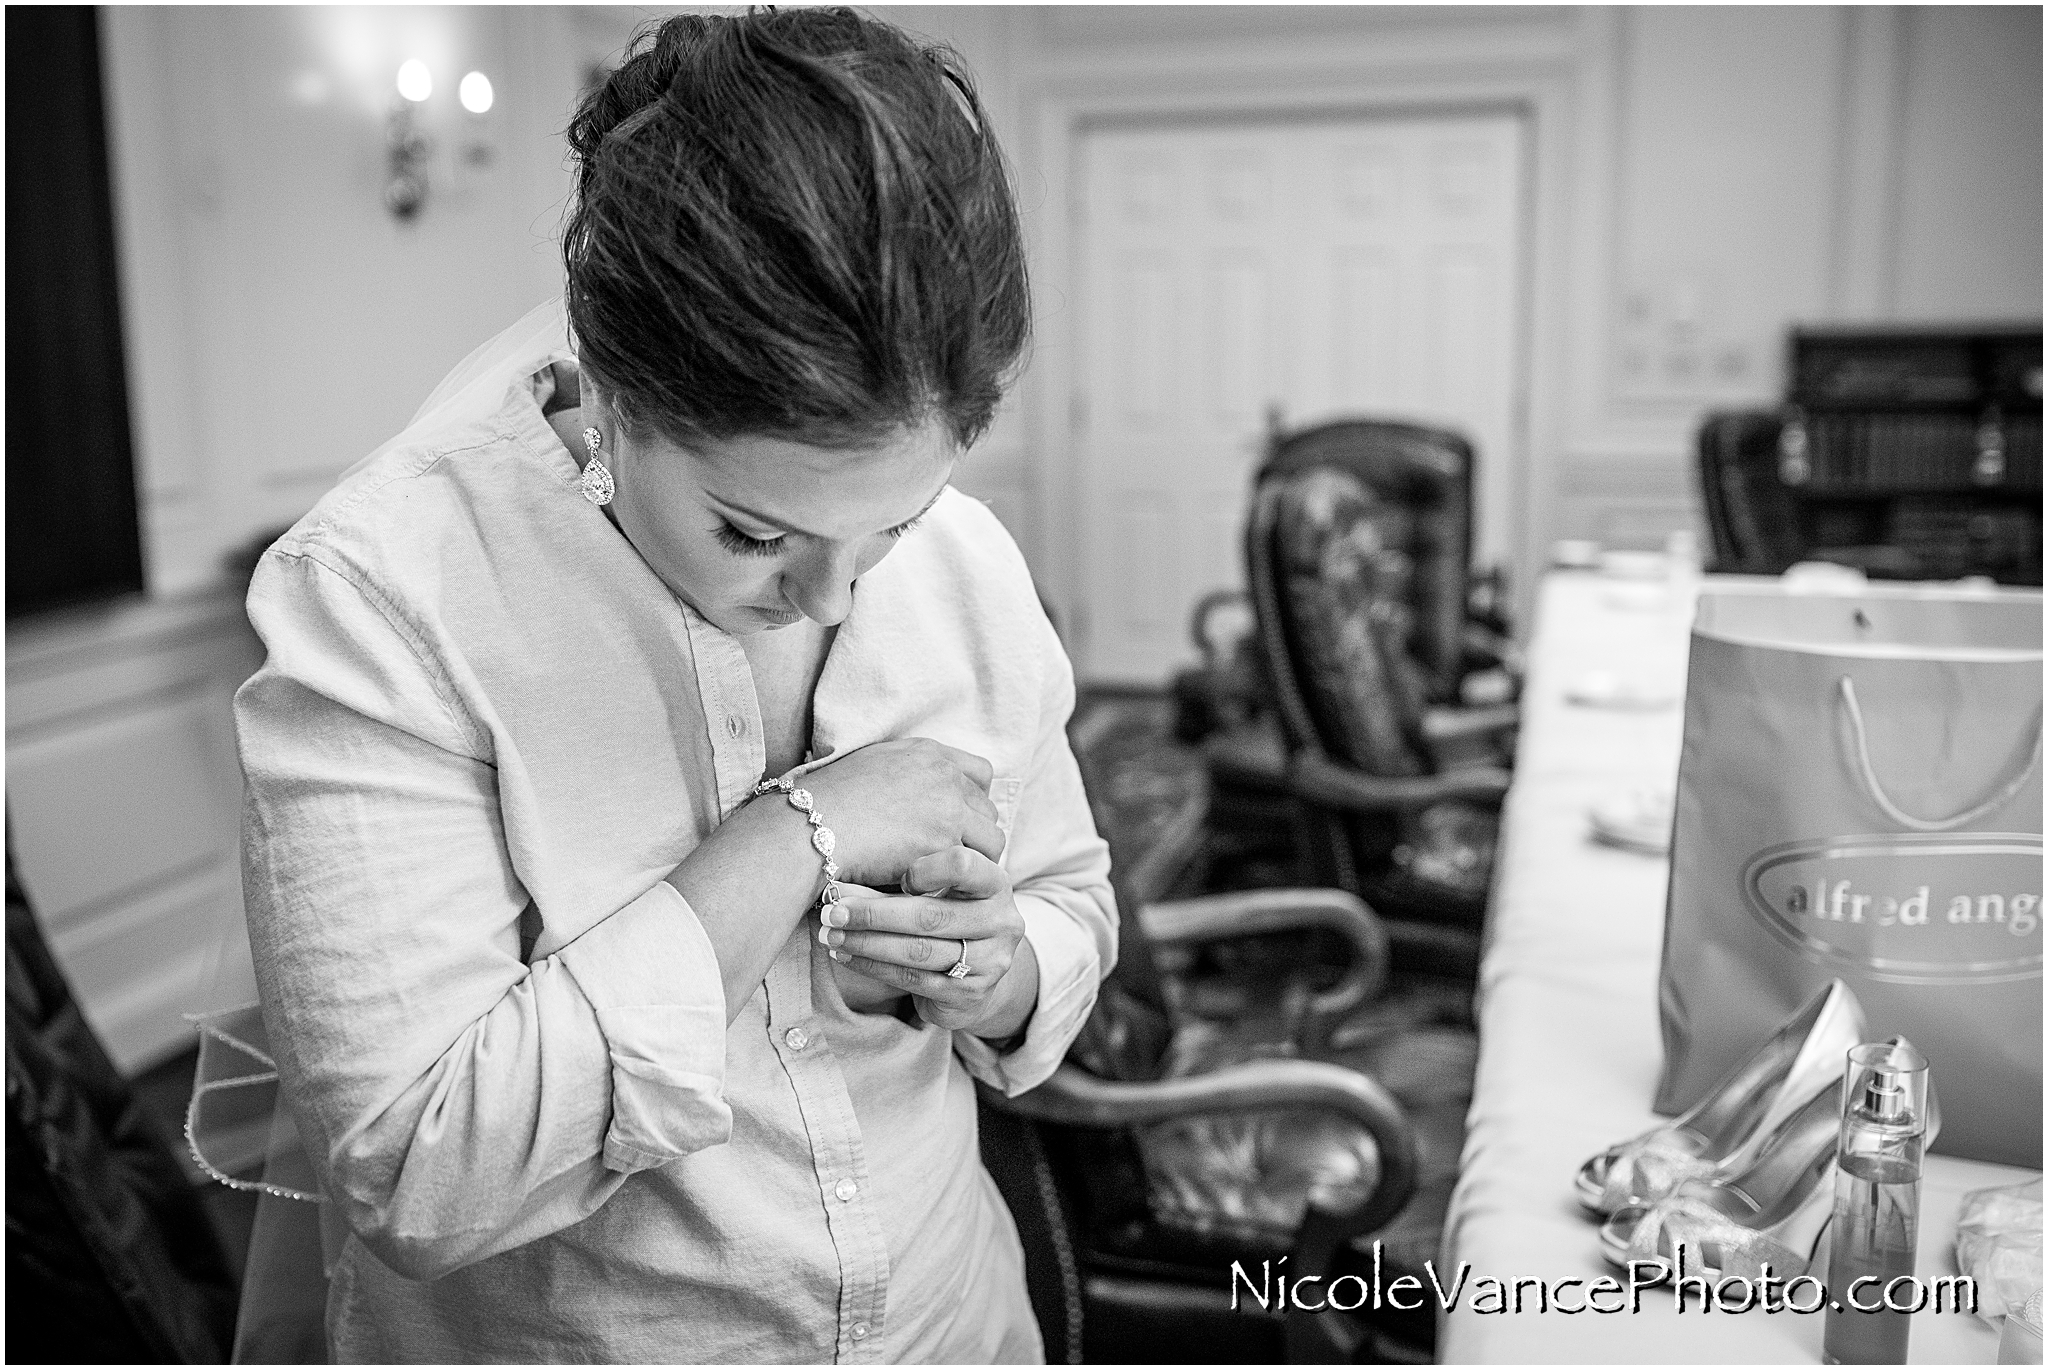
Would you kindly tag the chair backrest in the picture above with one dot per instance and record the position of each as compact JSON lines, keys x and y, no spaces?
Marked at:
{"x":1358,"y":554}
{"x":109,"y":1254}
{"x":1752,"y":517}
{"x":1419,"y":483}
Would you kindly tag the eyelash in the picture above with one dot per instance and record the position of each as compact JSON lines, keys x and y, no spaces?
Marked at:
{"x":739,"y":544}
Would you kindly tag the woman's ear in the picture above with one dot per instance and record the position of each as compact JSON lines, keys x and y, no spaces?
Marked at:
{"x":598,"y":412}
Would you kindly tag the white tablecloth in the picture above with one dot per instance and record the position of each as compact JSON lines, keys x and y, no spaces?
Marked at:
{"x":1569,"y":1047}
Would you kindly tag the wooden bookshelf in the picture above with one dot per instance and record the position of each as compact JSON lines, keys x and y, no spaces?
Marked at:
{"x":1915,"y":452}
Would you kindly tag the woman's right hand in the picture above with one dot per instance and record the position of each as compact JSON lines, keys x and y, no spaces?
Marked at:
{"x":890,"y":803}
{"x":862,"y":993}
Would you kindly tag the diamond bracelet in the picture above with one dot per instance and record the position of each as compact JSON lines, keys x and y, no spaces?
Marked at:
{"x":822,"y":840}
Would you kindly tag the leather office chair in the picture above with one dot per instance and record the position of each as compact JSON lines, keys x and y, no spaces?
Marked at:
{"x":1376,"y":645}
{"x":1221,"y":1107}
{"x":110,"y":1257}
{"x":1752,"y":518}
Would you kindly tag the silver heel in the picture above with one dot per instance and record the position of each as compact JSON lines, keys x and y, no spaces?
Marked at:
{"x":1720,"y":1134}
{"x":1772,"y":1213}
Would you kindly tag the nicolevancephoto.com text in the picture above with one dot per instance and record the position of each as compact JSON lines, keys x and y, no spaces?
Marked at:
{"x":1271,"y":1288}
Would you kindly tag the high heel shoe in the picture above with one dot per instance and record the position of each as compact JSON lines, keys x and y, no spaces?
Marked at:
{"x":1772,"y":1213}
{"x":1721,"y":1133}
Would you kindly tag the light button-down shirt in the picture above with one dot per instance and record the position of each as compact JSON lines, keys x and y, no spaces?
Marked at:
{"x":485,"y":733}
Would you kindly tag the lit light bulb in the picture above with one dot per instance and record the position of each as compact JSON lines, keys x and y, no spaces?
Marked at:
{"x":475,"y":93}
{"x":415,"y":82}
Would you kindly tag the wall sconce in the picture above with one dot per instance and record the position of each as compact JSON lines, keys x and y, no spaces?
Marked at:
{"x":477,"y":97}
{"x":408,"y":147}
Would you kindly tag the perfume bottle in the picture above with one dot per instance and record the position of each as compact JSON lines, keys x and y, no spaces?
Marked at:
{"x":1876,"y":1226}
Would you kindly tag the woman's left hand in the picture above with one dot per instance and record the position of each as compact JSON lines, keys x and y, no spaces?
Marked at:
{"x":960,"y":909}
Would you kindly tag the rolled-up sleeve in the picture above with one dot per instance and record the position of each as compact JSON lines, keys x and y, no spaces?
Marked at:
{"x":652,"y":976}
{"x":1059,"y":870}
{"x":458,"y":1101}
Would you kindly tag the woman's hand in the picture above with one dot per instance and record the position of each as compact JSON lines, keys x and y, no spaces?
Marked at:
{"x":861,"y":994}
{"x":752,"y":878}
{"x":890,"y":803}
{"x":961,"y":909}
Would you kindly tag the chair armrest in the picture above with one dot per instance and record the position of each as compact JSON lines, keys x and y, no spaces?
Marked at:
{"x":1442,"y":725}
{"x":1075,"y":1098}
{"x":1249,"y":913}
{"x":1173,"y":848}
{"x":1250,"y":757}
{"x":1320,"y":780}
{"x":1198,"y":621}
{"x":1484,"y":653}
{"x":1486,"y":600}
{"x":1485,"y":644}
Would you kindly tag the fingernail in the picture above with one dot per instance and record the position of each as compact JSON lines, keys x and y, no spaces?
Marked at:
{"x":824,"y":937}
{"x":836,"y":954}
{"x":834,"y":937}
{"x":834,"y":916}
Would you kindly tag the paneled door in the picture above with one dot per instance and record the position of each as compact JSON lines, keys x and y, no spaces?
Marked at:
{"x":1363,"y":266}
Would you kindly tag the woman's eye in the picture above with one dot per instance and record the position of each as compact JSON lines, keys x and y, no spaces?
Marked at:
{"x":738,"y":543}
{"x":900,"y":529}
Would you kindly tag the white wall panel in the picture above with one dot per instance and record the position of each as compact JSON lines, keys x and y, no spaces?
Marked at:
{"x":141,"y":965}
{"x":129,"y":773}
{"x":123,"y":799}
{"x":1728,"y":147}
{"x":1969,"y":199}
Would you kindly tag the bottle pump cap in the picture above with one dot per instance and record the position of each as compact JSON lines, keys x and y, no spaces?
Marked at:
{"x":1888,"y":1083}
{"x":1885,"y":1095}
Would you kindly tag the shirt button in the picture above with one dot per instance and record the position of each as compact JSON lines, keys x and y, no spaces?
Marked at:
{"x":797,"y":1038}
{"x":860,"y":1330}
{"x":735,"y":725}
{"x":846,"y":1189}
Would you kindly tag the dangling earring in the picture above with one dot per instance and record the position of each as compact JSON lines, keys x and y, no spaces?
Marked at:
{"x":597,"y":481}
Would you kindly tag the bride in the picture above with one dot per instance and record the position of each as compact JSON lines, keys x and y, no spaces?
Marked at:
{"x":603,"y":1044}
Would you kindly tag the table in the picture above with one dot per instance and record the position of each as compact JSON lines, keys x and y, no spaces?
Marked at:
{"x":1569,"y":1046}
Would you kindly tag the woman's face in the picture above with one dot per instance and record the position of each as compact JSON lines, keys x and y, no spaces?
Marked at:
{"x":759,"y":532}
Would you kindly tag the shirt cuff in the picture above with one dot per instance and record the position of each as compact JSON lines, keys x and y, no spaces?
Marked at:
{"x":1069,"y":973}
{"x":652,"y":975}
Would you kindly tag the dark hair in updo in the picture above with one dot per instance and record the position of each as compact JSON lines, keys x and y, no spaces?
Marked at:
{"x":797,"y":224}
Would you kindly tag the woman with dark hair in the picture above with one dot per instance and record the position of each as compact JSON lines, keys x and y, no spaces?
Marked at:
{"x":659,"y":805}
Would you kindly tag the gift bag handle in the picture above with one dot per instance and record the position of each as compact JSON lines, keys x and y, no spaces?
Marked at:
{"x":1900,"y":816}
